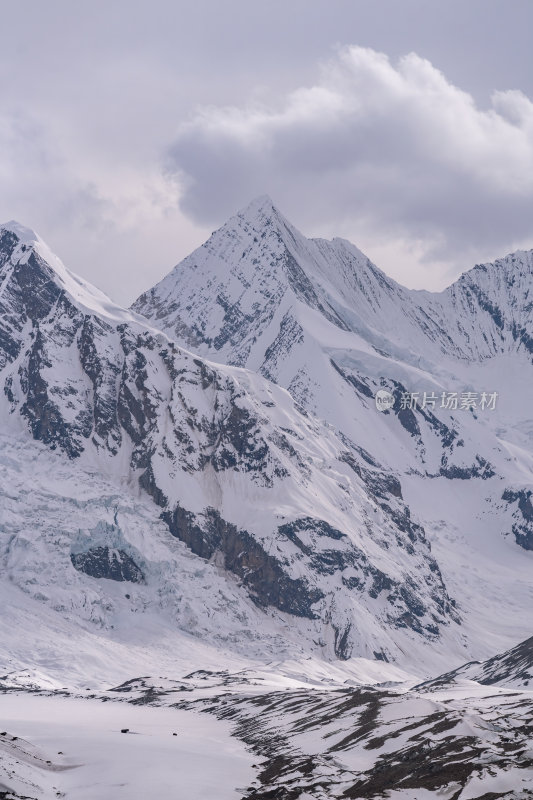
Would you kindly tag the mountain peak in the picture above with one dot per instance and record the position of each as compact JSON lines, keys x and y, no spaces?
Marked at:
{"x":30,"y":240}
{"x":262,"y":213}
{"x":260,"y":205}
{"x":24,"y":235}
{"x":29,"y":254}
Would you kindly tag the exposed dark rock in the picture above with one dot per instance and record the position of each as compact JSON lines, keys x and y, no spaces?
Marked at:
{"x":44,"y":416}
{"x":523,"y":528}
{"x":381,"y":485}
{"x":407,"y":419}
{"x":243,"y":555}
{"x":318,"y":526}
{"x":37,"y":286}
{"x":357,"y":383}
{"x":240,"y":442}
{"x":480,"y":469}
{"x":290,"y":334}
{"x":103,"y":374}
{"x":148,"y":483}
{"x":343,"y":646}
{"x":107,"y":562}
{"x":521,"y":335}
{"x":487,"y":305}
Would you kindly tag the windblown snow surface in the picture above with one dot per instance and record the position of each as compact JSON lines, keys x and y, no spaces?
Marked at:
{"x":207,"y":529}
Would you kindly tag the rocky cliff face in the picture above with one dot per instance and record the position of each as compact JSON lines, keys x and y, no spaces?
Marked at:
{"x":102,"y":562}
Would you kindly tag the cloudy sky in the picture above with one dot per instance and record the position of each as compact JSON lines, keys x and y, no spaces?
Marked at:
{"x":130,"y":129}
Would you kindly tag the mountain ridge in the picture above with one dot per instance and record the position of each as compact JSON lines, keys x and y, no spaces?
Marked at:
{"x":351,"y":266}
{"x":194,"y":436}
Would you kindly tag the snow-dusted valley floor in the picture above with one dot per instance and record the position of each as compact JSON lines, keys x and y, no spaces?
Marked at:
{"x":214,"y":735}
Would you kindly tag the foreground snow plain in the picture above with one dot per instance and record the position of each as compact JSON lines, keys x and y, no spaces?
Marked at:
{"x":74,"y":748}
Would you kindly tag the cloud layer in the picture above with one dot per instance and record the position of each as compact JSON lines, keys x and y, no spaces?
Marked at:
{"x":395,"y":154}
{"x":389,"y":154}
{"x":112,"y":216}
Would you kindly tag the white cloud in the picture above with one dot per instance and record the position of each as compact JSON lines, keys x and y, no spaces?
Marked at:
{"x":394,"y":156}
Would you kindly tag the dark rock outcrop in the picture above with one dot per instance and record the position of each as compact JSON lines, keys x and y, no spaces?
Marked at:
{"x":523,"y":527}
{"x":261,"y":573}
{"x":107,"y":562}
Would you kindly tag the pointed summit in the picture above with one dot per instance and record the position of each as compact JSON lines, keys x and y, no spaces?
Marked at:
{"x":254,"y":274}
{"x":262,"y":213}
{"x":261,"y":209}
{"x":24,"y":235}
{"x":262,"y":204}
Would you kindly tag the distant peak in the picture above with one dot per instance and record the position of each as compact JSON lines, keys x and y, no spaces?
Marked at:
{"x":511,"y":263}
{"x":24,"y":235}
{"x":86,"y":296}
{"x":261,"y":205}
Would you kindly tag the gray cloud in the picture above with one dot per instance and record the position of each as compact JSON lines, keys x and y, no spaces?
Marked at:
{"x":111,"y":217}
{"x":390,"y":151}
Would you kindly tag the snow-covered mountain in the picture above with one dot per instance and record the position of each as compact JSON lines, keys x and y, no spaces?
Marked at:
{"x":318,"y":318}
{"x":322,"y":525}
{"x":239,"y":286}
{"x":302,"y":522}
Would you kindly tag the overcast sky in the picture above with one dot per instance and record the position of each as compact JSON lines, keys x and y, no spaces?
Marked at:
{"x":129,"y":130}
